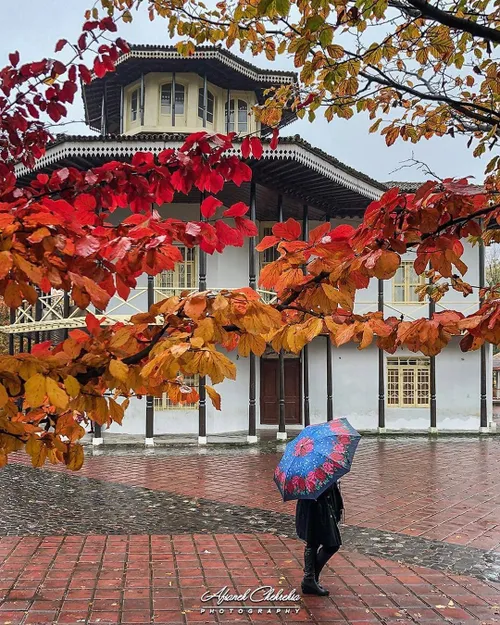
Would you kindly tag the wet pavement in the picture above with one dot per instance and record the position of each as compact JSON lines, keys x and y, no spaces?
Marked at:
{"x":138,"y":535}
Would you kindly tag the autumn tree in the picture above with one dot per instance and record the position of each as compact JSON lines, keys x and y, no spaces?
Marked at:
{"x":57,"y":232}
{"x":418,"y":68}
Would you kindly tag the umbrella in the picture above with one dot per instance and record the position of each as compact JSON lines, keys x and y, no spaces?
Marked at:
{"x":320,"y":455}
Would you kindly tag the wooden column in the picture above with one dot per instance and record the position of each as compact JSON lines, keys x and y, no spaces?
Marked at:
{"x":172,"y":98}
{"x":11,"y":336}
{"x":381,"y":367}
{"x":305,"y":351}
{"x":202,"y":405}
{"x":65,"y":313}
{"x":432,"y":381}
{"x":103,"y":112}
{"x":143,"y":99}
{"x":329,"y":370}
{"x":483,"y":407}
{"x":228,"y":102}
{"x":205,"y":101}
{"x":150,"y":402}
{"x":122,"y":111}
{"x":281,"y":433}
{"x":38,"y":316}
{"x":252,"y":283}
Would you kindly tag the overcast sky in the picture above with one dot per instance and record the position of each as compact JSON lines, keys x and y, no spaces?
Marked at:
{"x":33,"y":28}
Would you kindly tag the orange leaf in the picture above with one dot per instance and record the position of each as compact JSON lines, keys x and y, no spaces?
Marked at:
{"x":214,"y":396}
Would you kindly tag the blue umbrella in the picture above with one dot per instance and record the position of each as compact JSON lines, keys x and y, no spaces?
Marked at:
{"x":320,"y":455}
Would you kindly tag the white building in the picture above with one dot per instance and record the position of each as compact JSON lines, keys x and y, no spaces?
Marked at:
{"x":151,"y":102}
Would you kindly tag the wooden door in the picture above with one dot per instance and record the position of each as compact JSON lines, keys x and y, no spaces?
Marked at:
{"x":269,"y":391}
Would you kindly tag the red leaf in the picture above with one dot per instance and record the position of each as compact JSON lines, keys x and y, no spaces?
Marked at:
{"x":256,"y":145}
{"x":246,"y":226}
{"x":42,"y":349}
{"x":87,"y":246}
{"x":14,"y":58}
{"x":209,"y":206}
{"x":319,"y":232}
{"x":93,"y":323}
{"x":266,"y":243}
{"x":274,"y":141}
{"x":228,"y":235}
{"x":85,"y":202}
{"x":341,"y":233}
{"x":85,"y":74}
{"x":290,"y":230}
{"x":245,"y":147}
{"x":215,"y":182}
{"x":237,"y":210}
{"x":60,"y":45}
{"x":99,"y":68}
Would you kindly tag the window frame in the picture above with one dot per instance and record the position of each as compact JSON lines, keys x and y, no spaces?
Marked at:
{"x":410,"y":281}
{"x":234,"y":107}
{"x":176,"y":289}
{"x":211,"y":95}
{"x":163,"y":403}
{"x":134,"y":113}
{"x":419,"y":366}
{"x":178,"y":85}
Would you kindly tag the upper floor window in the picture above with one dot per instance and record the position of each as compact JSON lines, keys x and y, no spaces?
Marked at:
{"x":405,"y":282}
{"x":238,"y":116}
{"x":210,"y":105}
{"x":183,"y":277}
{"x":166,"y":99}
{"x":134,"y":105}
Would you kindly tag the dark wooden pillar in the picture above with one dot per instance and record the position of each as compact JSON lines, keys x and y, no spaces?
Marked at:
{"x":202,"y":405}
{"x":150,"y":402}
{"x":143,"y":99}
{"x":65,"y":313}
{"x":11,"y":336}
{"x":172,"y":98}
{"x":381,"y":367}
{"x":432,"y":381}
{"x":122,"y":111}
{"x":329,"y":370}
{"x":281,"y":433}
{"x":252,"y":283}
{"x":483,"y":408}
{"x":205,"y":101}
{"x":228,"y":103}
{"x":305,"y":351}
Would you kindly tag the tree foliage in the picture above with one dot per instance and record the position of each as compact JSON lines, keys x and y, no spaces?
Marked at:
{"x":57,"y":232}
{"x":418,"y":68}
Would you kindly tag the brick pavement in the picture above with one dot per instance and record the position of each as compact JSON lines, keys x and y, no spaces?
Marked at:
{"x":446,"y":489}
{"x":159,"y":579}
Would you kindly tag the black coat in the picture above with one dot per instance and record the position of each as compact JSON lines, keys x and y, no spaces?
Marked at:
{"x":316,"y":520}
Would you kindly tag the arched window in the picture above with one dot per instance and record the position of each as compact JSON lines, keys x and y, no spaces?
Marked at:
{"x":242,"y":116}
{"x":210,"y":106}
{"x":166,"y":99}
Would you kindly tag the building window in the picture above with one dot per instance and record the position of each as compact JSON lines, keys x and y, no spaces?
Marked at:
{"x":241,"y":119}
{"x":164,"y":403}
{"x":166,"y":99}
{"x":210,"y":106}
{"x":134,"y":105}
{"x":405,"y":282}
{"x":408,"y":382}
{"x":183,"y":277}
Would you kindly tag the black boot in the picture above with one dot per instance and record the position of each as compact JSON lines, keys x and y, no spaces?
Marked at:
{"x":322,"y":557}
{"x":309,"y":583}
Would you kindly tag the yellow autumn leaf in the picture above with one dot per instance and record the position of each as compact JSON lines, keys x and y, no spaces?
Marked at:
{"x":4,"y":397}
{"x":56,"y":394}
{"x":118,"y":370}
{"x":37,"y":450}
{"x":35,"y":390}
{"x":214,"y":396}
{"x":74,"y":457}
{"x":72,"y":386}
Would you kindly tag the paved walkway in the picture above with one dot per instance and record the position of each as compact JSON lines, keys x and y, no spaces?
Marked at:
{"x":137,"y":537}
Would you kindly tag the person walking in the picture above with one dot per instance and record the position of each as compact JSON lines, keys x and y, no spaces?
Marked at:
{"x":316,"y":522}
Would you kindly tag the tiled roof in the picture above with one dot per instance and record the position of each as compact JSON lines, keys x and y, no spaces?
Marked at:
{"x":177,"y":136}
